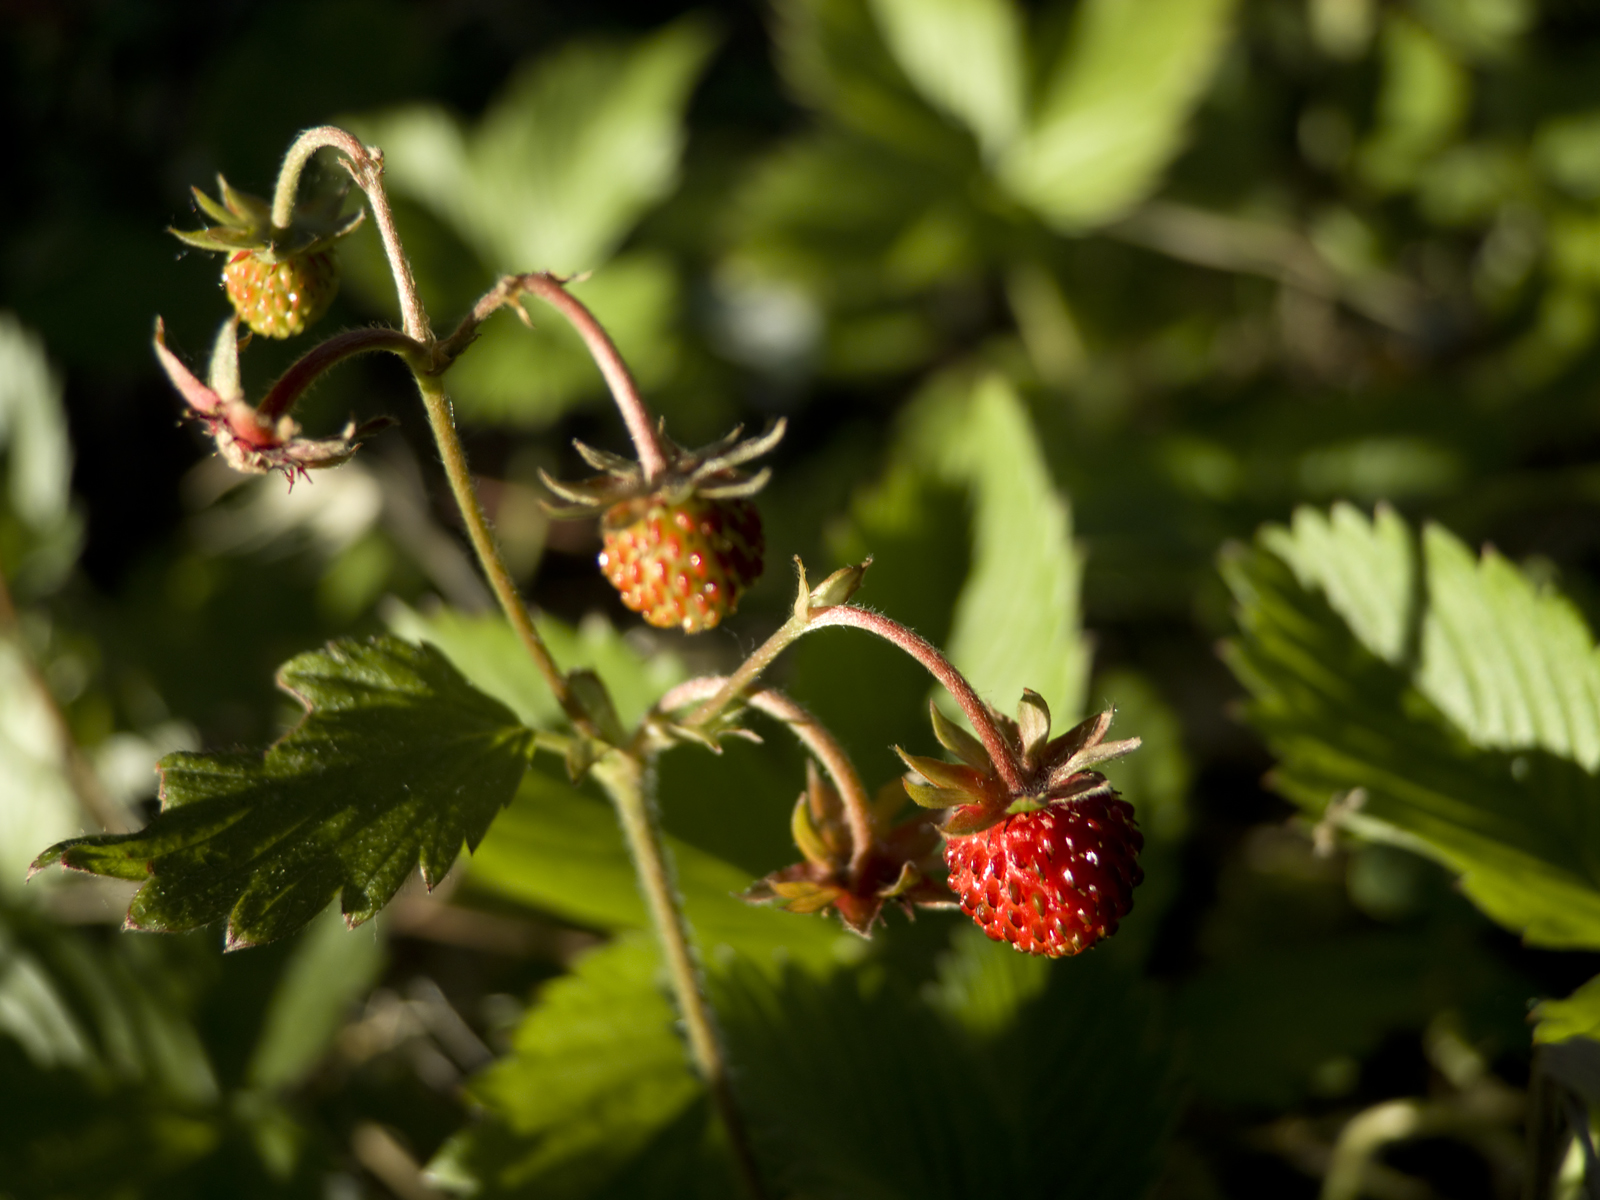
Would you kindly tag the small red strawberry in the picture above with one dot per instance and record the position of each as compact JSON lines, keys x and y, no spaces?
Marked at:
{"x":681,"y":547}
{"x":1053,"y":881}
{"x":280,"y":281}
{"x":1049,"y":867}
{"x":682,"y":565}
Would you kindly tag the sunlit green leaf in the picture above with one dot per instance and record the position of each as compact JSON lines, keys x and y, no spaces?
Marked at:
{"x":1016,"y":621}
{"x":485,"y":649}
{"x":965,"y":56}
{"x":398,"y":762}
{"x":1113,"y":112}
{"x":1456,"y":697}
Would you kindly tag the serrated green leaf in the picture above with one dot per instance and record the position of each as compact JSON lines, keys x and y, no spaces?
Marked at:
{"x":1112,"y":115}
{"x":560,"y":850}
{"x":596,"y":1071}
{"x":398,"y":763}
{"x":1475,"y":751}
{"x":965,"y":56}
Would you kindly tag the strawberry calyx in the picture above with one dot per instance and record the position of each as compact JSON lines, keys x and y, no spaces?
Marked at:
{"x":1053,"y":770}
{"x":713,"y":472}
{"x":900,"y":867}
{"x":254,"y":440}
{"x":242,"y":225}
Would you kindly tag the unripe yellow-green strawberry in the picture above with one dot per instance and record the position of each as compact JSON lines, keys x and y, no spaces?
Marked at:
{"x":683,"y":565}
{"x":279,"y":280}
{"x":280,"y":299}
{"x":682,"y":546}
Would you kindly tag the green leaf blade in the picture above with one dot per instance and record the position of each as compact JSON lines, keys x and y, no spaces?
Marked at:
{"x":397,"y":764}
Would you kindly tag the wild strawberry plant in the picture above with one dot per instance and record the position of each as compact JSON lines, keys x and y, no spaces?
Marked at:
{"x":976,"y":271}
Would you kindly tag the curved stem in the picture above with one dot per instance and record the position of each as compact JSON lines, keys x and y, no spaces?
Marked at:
{"x":365,"y":164}
{"x":926,"y":653}
{"x":294,"y":382}
{"x":646,"y":442}
{"x":816,"y":738}
{"x":631,"y":784}
{"x":749,"y":671}
{"x":488,"y":550}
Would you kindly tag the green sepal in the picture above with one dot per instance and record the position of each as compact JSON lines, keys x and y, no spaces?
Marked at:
{"x":803,"y":896}
{"x":909,"y":878}
{"x":1033,"y":724}
{"x":840,"y":586}
{"x":957,"y":776}
{"x":958,"y":741}
{"x":590,"y":692}
{"x":1026,"y":804}
{"x":805,"y":834}
{"x":970,"y":819}
{"x":935,"y":797}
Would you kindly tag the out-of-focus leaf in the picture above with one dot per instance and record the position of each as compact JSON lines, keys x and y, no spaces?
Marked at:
{"x":1016,"y":622}
{"x":820,"y":1054}
{"x":398,"y":762}
{"x":38,"y":464}
{"x":485,"y":649}
{"x":108,"y":1014}
{"x":596,"y":1073}
{"x":965,"y":56}
{"x":1257,"y":1030}
{"x":574,"y":151}
{"x":1462,"y":701}
{"x":1112,"y":114}
{"x":1576,"y":1016}
{"x":561,"y":851}
{"x":833,"y":57}
{"x":332,"y":967}
{"x":37,"y":805}
{"x":1425,"y":96}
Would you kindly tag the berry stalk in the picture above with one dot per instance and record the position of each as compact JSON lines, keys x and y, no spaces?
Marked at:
{"x":940,"y":667}
{"x":630,"y":784}
{"x":297,"y":380}
{"x":624,"y":391}
{"x":814,"y":736}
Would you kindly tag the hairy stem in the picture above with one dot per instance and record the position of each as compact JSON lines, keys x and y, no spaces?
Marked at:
{"x":488,"y":550}
{"x":365,"y":164}
{"x":295,"y":382}
{"x":926,"y":653}
{"x":635,"y":415}
{"x":749,"y":671}
{"x":816,"y":737}
{"x":85,"y":784}
{"x":629,"y":782}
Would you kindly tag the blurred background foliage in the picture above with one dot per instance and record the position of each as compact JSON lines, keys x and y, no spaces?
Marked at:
{"x":1062,"y":302}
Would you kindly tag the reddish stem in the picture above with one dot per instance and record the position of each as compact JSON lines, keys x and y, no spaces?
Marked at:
{"x":926,"y":653}
{"x":646,"y":442}
{"x":293,"y":384}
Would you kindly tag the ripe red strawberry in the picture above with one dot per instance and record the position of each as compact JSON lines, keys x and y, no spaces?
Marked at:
{"x":685,"y":544}
{"x":1050,"y":862}
{"x":1053,"y":881}
{"x":283,"y":298}
{"x":279,"y":280}
{"x":682,"y":565}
